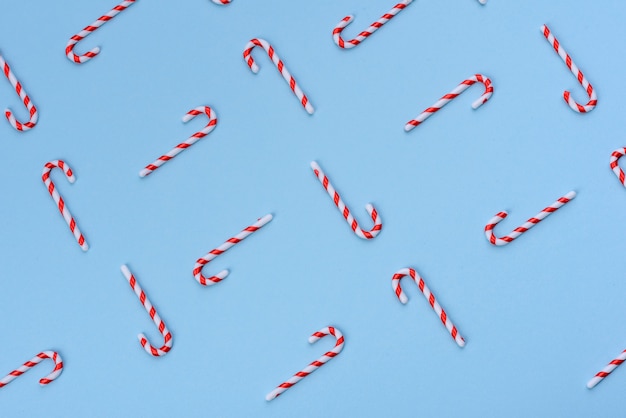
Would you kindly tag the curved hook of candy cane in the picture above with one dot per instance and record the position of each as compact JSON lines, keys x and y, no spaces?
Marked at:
{"x":32,"y":110}
{"x":143,"y":340}
{"x":314,"y":365}
{"x":69,"y":49}
{"x":527,"y":225}
{"x":197,"y":269}
{"x":615,"y":156}
{"x":477,"y":78}
{"x":186,"y":143}
{"x":371,"y":210}
{"x":53,"y":355}
{"x":222,"y":2}
{"x":593,"y":98}
{"x":341,"y":43}
{"x":69,"y":219}
{"x":606,"y":370}
{"x":247,"y":56}
{"x":395,"y":284}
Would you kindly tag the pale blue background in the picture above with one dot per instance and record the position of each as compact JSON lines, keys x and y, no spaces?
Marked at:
{"x":541,"y":316}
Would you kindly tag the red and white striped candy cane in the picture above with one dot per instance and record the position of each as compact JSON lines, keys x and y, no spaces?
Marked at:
{"x":615,"y":156}
{"x":593,"y":98}
{"x":188,"y":142}
{"x":69,"y":49}
{"x":32,"y":110}
{"x":247,"y":56}
{"x":607,"y":370}
{"x":378,"y":224}
{"x":143,"y":298}
{"x":45,"y":176}
{"x":316,"y":364}
{"x":197,"y":269}
{"x":367,"y":32}
{"x":478,"y":78}
{"x":527,"y":225}
{"x":221,"y":2}
{"x":395,"y":284}
{"x":53,"y":355}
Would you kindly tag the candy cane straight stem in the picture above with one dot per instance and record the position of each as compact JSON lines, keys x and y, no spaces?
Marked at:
{"x":53,"y":355}
{"x":527,"y":225}
{"x":593,"y":98}
{"x":607,"y":370}
{"x":615,"y":156}
{"x":247,"y":56}
{"x":45,"y":176}
{"x":32,"y":110}
{"x":143,"y":340}
{"x":477,"y":78}
{"x":316,"y":364}
{"x":344,"y":209}
{"x":367,"y":32}
{"x":197,"y":269}
{"x":395,"y":284}
{"x":188,"y":142}
{"x":69,"y":49}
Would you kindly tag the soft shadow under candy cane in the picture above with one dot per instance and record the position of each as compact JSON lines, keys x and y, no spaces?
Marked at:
{"x":53,"y":355}
{"x":491,"y":224}
{"x":314,"y":365}
{"x":341,"y":43}
{"x":143,"y":298}
{"x":247,"y":56}
{"x":69,"y":49}
{"x":45,"y":176}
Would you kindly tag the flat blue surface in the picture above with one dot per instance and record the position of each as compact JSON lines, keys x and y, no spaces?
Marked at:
{"x":541,"y":316}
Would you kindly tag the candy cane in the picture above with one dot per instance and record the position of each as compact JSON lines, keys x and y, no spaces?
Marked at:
{"x":593,"y":98}
{"x":367,"y":32}
{"x":69,"y":49}
{"x":454,"y":93}
{"x":188,"y":142}
{"x":314,"y":365}
{"x":32,"y":110}
{"x":45,"y":176}
{"x":143,"y":298}
{"x":395,"y":284}
{"x":197,"y":269}
{"x":615,"y":156}
{"x":247,"y":56}
{"x":344,"y":209}
{"x":607,"y":370}
{"x":527,"y":225}
{"x":221,"y":2}
{"x":58,"y":368}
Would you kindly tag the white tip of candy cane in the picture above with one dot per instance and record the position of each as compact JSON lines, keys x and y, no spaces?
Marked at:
{"x":482,"y":1}
{"x":144,"y":172}
{"x":222,"y":274}
{"x":85,"y":246}
{"x":266,"y":218}
{"x":254,"y":68}
{"x":408,"y":127}
{"x":271,"y":395}
{"x":570,"y":195}
{"x":125,"y":271}
{"x":309,"y":108}
{"x":593,"y":382}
